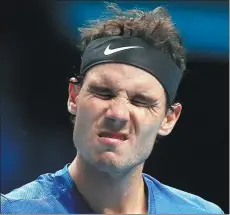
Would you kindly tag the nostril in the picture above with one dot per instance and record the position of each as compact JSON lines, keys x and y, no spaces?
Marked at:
{"x":115,"y":124}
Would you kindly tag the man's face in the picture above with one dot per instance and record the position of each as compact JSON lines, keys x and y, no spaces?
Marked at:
{"x":123,"y":92}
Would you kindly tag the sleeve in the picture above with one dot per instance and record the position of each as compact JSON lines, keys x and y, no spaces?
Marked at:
{"x":5,"y":205}
{"x":214,"y":209}
{"x":218,"y":210}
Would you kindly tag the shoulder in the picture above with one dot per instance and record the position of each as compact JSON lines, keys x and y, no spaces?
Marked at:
{"x":34,"y":192}
{"x":181,"y":201}
{"x":5,"y":204}
{"x":38,"y":188}
{"x":193,"y":201}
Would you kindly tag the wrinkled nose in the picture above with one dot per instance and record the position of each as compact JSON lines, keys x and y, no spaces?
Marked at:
{"x":117,"y":115}
{"x":114,"y":123}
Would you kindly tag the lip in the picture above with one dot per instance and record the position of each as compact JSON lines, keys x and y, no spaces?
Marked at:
{"x":112,"y":138}
{"x":110,"y":141}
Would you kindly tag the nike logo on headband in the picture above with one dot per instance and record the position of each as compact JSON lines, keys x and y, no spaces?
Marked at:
{"x":109,"y":51}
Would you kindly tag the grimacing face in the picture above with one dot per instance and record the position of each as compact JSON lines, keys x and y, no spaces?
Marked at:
{"x":123,"y":91}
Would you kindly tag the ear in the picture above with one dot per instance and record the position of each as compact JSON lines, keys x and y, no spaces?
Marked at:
{"x":73,"y":96}
{"x":170,"y":120}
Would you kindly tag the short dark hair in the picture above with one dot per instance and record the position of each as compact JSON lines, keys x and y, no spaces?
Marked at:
{"x":154,"y":26}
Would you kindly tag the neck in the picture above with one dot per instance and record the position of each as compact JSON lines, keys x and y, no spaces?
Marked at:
{"x":108,"y":194}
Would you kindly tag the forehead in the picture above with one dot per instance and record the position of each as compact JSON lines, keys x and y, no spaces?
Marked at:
{"x":123,"y":76}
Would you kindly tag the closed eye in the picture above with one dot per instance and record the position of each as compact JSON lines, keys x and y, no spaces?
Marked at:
{"x":144,"y":101}
{"x":103,"y":96}
{"x":142,"y":104}
{"x":107,"y":94}
{"x":101,"y":92}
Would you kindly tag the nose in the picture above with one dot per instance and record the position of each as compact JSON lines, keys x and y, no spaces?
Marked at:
{"x":114,"y":123}
{"x":117,"y":115}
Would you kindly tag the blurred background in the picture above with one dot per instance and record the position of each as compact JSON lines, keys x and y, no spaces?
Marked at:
{"x":37,"y":53}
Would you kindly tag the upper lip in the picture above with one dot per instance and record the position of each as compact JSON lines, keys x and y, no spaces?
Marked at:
{"x":117,"y":135}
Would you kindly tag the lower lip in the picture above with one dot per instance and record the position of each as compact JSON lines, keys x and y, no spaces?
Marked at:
{"x":110,"y":141}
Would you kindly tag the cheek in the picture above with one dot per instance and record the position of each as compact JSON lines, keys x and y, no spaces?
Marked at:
{"x":92,"y":104}
{"x":89,"y":111}
{"x":148,"y":132}
{"x":146,"y":122}
{"x":147,"y":126}
{"x":86,"y":118}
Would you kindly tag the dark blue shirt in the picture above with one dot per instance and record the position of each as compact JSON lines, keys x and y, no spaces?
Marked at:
{"x":57,"y":194}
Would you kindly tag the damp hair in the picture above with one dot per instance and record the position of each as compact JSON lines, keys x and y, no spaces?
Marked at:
{"x":154,"y":26}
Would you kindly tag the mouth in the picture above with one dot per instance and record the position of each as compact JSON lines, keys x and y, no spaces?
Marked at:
{"x":118,"y":136}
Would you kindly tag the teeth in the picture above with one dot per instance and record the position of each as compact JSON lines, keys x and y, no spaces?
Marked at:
{"x":120,"y":138}
{"x":111,"y":136}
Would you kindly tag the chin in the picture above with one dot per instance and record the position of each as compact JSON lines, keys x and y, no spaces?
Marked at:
{"x":105,"y":161}
{"x":112,"y":163}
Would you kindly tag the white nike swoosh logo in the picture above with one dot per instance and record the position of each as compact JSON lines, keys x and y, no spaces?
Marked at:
{"x":109,"y":51}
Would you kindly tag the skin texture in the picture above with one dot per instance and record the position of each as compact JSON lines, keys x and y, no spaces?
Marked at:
{"x":116,"y":169}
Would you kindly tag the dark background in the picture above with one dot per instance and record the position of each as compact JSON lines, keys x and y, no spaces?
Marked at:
{"x":36,"y":133}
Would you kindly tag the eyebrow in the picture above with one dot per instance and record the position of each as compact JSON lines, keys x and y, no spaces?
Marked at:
{"x":95,"y":87}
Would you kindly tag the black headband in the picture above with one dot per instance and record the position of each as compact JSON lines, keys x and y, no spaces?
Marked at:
{"x":136,"y":52}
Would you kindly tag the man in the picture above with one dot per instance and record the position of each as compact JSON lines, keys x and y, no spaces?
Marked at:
{"x":123,"y":101}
